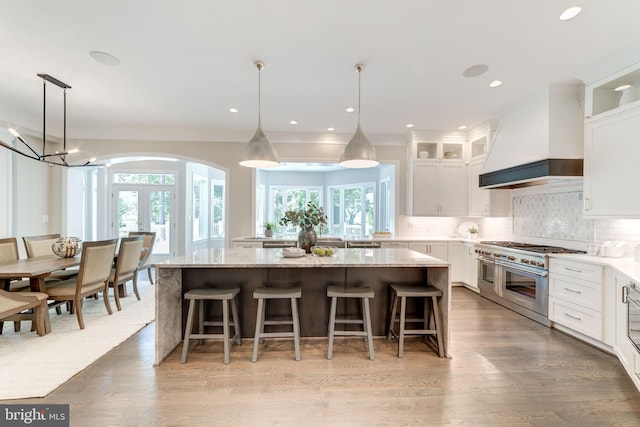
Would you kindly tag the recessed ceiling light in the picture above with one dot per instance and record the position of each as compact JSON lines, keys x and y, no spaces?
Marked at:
{"x":104,"y":58}
{"x":350,"y":110}
{"x":475,"y":70}
{"x":462,"y":127}
{"x":330,"y":129}
{"x":293,"y":122}
{"x":621,"y":88}
{"x":570,"y":13}
{"x":233,"y":110}
{"x":495,"y":83}
{"x":409,"y":125}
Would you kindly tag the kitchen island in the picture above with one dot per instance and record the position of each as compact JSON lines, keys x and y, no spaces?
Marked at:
{"x":253,"y":268}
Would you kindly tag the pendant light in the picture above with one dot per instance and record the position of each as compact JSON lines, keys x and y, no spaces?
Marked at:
{"x":259,"y":153}
{"x":359,"y":153}
{"x":58,"y":158}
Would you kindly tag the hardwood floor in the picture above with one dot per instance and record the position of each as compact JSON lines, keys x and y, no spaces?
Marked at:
{"x":506,"y":370}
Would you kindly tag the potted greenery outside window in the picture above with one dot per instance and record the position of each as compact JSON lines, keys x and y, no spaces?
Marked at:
{"x":269,"y":228}
{"x":306,"y":219}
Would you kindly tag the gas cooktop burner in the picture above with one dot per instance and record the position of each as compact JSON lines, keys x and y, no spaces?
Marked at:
{"x":533,"y":247}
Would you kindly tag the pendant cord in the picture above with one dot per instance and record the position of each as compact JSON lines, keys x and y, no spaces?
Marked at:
{"x":359,"y":90}
{"x":259,"y":93}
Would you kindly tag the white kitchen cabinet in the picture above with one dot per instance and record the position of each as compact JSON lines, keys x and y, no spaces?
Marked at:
{"x":576,"y":297}
{"x":454,"y":256}
{"x":437,"y":188}
{"x":483,"y":201}
{"x":434,"y":248}
{"x":469,"y":265}
{"x":611,"y":165}
{"x":623,"y":347}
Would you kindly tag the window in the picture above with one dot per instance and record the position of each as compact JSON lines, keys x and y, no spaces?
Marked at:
{"x":217,"y":208}
{"x":292,"y":198}
{"x":200,"y":203}
{"x":140,"y":178}
{"x":384,"y":200}
{"x":352,"y":210}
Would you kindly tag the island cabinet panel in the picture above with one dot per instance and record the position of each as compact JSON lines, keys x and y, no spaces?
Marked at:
{"x":314,"y":305}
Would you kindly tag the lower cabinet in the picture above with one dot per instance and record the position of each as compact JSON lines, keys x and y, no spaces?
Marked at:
{"x":623,"y":347}
{"x":469,"y":265}
{"x":576,"y":297}
{"x":435,"y":249}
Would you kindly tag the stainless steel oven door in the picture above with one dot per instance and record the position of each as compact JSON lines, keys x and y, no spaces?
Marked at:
{"x":526,"y":287}
{"x":633,"y":315}
{"x":488,"y":276}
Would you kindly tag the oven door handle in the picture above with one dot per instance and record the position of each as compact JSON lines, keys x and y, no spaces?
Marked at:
{"x":536,"y":271}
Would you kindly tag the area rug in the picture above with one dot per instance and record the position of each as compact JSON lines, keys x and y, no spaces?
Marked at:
{"x":33,"y":366}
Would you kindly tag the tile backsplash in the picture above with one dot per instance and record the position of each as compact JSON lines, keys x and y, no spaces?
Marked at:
{"x":550,"y":215}
{"x":556,"y":215}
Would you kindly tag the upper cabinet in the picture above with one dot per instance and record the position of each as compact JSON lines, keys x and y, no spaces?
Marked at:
{"x":437,"y":174}
{"x":611,"y":148}
{"x":613,"y":94}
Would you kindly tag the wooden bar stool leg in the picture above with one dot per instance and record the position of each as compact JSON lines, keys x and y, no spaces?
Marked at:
{"x":236,"y":322}
{"x":201,"y":319}
{"x":392,"y":319}
{"x":332,"y":326}
{"x":187,"y":331}
{"x":225,"y":330}
{"x":259,"y":328}
{"x":403,"y":313}
{"x":436,"y":316}
{"x":296,"y":327}
{"x":367,"y":326}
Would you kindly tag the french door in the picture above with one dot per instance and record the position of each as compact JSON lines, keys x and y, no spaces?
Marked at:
{"x":146,"y":208}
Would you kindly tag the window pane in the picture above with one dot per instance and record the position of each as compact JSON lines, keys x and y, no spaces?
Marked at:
{"x":199,"y":207}
{"x":217,"y":210}
{"x":352,"y":211}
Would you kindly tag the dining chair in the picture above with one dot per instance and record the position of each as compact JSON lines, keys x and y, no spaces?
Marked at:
{"x":37,"y":246}
{"x":93,"y":277}
{"x":145,"y":256}
{"x":9,"y":253}
{"x":13,"y":304}
{"x":126,"y":267}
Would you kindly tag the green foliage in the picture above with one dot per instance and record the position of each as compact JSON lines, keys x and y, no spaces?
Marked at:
{"x":270,"y":225}
{"x":306,"y":218}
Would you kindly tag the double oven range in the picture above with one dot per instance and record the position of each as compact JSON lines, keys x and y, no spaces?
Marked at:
{"x":516,"y":275}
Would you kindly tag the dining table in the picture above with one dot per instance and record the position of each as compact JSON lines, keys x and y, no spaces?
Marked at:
{"x":36,"y":270}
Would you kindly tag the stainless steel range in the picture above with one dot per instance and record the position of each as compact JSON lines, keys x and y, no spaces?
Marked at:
{"x":515,"y":275}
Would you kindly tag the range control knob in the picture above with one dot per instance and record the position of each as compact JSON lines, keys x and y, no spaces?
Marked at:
{"x":540,"y":264}
{"x":511,"y":258}
{"x":524,"y":261}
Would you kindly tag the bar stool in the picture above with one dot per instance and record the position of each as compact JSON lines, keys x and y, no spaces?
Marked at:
{"x":335,"y":292}
{"x":209,"y":294}
{"x":265,"y":294}
{"x":430,"y":295}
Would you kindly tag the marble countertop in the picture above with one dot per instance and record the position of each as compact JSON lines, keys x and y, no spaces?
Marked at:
{"x":273,"y":258}
{"x":362,"y":239}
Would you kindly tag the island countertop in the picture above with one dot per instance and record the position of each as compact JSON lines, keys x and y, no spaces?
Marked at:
{"x":273,"y":258}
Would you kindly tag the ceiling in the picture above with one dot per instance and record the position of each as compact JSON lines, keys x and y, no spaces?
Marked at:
{"x":184,"y":64}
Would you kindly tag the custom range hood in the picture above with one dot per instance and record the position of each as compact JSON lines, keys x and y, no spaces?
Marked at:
{"x":538,"y":140}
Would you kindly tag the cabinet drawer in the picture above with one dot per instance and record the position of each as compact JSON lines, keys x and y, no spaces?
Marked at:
{"x":581,"y":292}
{"x":578,"y":270}
{"x":580,"y":319}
